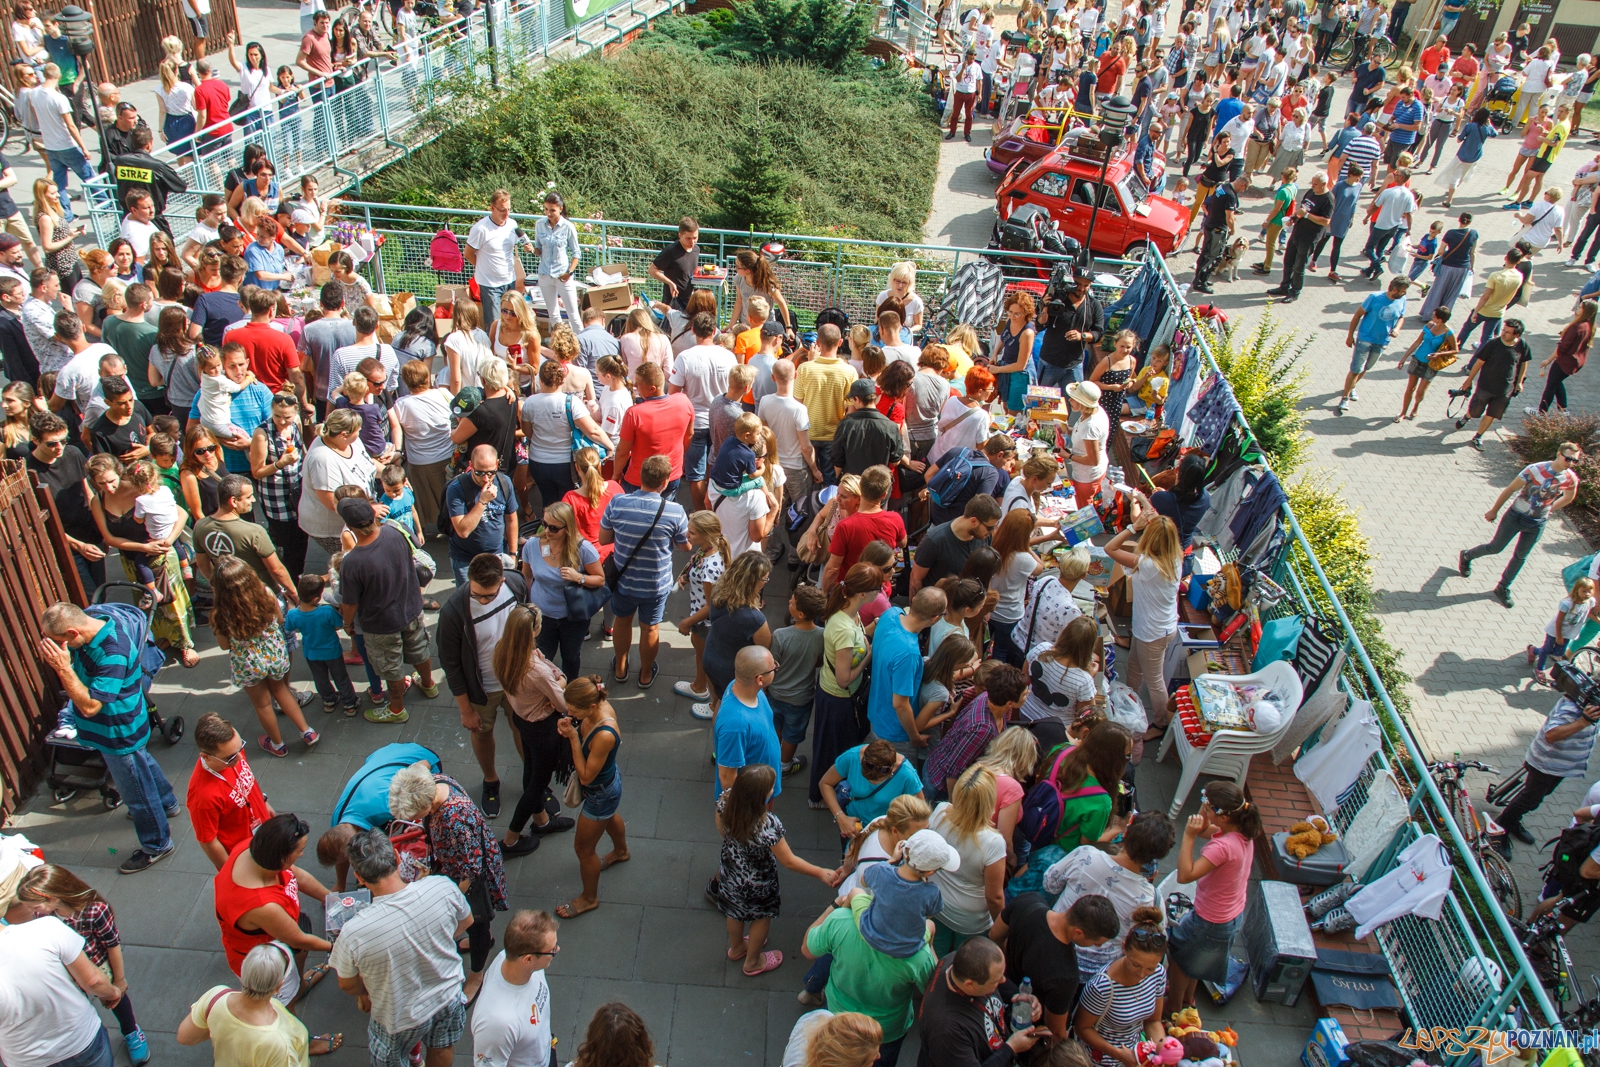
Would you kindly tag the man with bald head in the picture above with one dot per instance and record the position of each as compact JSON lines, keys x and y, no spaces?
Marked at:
{"x":744,"y":731}
{"x":483,"y":511}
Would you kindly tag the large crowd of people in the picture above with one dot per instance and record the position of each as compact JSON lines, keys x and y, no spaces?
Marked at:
{"x":274,"y":469}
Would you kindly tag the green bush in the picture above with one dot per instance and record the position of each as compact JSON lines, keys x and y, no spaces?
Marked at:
{"x":824,"y":33}
{"x":664,"y":129}
{"x":1261,"y":366}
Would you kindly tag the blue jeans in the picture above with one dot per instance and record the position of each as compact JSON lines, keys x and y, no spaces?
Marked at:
{"x":1059,"y":376}
{"x":62,"y":161}
{"x":96,"y":1054}
{"x":148,"y":795}
{"x":1378,"y":241}
{"x":458,"y":567}
{"x":92,"y":572}
{"x":491,"y":300}
{"x":694,"y":457}
{"x":1513,"y":525}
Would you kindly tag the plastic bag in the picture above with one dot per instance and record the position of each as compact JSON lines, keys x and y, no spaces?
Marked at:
{"x":1124,"y":708}
{"x":1400,"y":255}
{"x":1378,"y":1054}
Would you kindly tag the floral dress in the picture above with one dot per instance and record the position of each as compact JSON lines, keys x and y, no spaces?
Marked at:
{"x":705,"y":566}
{"x":260,"y":658}
{"x":746,"y":886}
{"x":463,"y":846}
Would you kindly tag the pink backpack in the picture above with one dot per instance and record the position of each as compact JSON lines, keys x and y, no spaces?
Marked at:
{"x":445,"y":252}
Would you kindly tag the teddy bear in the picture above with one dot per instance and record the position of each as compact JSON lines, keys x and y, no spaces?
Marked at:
{"x":1166,"y":1053}
{"x":1306,"y":837}
{"x":1199,"y":1050}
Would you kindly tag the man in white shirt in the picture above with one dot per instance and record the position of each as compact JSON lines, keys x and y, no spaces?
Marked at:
{"x":701,"y":374}
{"x":1390,"y":217}
{"x":790,"y":423}
{"x":968,"y":82}
{"x":44,"y":1016}
{"x":398,"y":957}
{"x":511,"y":1023}
{"x":1238,"y":128}
{"x":11,"y":264}
{"x":139,"y":223}
{"x":492,"y":251}
{"x":76,"y":381}
{"x":63,"y":143}
{"x":889,"y":338}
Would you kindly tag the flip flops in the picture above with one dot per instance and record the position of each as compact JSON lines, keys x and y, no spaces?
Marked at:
{"x":771,"y":960}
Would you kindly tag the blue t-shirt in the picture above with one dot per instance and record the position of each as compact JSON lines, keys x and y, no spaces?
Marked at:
{"x":1430,"y":344}
{"x":259,"y":258}
{"x":896,"y":671}
{"x":736,"y":460}
{"x":1473,"y":135}
{"x":318,"y":630}
{"x":1380,"y":316}
{"x":871,"y":800}
{"x":365,"y":800}
{"x":547,"y":591}
{"x":1227,"y":111}
{"x":250,"y":406}
{"x":402,"y":508}
{"x":215,"y":312}
{"x":743,"y":735}
{"x":460,"y":496}
{"x":895,"y":923}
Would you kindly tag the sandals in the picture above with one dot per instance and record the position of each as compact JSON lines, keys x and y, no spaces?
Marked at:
{"x":566,"y":911}
{"x":312,"y":976}
{"x":335,"y":1041}
{"x":771,"y":960}
{"x":655,"y":671}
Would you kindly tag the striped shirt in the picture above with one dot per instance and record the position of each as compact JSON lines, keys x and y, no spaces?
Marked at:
{"x":1563,"y":759}
{"x":1122,"y":1009}
{"x":108,"y":666}
{"x":1407,"y":113}
{"x":648,"y":559}
{"x":1363,"y":152}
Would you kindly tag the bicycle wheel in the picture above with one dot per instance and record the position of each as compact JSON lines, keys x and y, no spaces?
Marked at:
{"x":1339,"y":54}
{"x":1383,"y":48}
{"x":1587,"y":660}
{"x":1501,"y":882}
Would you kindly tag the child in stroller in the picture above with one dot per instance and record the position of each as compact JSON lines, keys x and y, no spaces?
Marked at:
{"x":1500,"y":98}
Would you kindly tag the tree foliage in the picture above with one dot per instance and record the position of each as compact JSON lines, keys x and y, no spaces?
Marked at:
{"x":824,"y":33}
{"x":755,"y":192}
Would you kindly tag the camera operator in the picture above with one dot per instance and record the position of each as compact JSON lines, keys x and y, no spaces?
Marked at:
{"x":1559,"y":750}
{"x":1073,"y":322}
{"x":1572,"y":878}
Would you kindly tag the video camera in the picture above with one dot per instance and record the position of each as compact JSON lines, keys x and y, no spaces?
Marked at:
{"x":1574,"y":684}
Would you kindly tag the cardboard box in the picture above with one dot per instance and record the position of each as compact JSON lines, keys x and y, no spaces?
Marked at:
{"x":447,"y":295}
{"x":614,"y":297}
{"x":320,"y":254}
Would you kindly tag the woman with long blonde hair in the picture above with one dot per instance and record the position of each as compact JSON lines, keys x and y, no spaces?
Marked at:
{"x":55,"y":233}
{"x":641,"y":342}
{"x":175,"y":102}
{"x":961,"y":344}
{"x":1154,"y":566}
{"x":536,"y":691}
{"x":466,"y":347}
{"x":975,"y":892}
{"x":736,"y":618}
{"x":845,"y":1039}
{"x":879,"y":841}
{"x":1012,"y":757}
{"x":559,"y":557}
{"x":514,"y":335}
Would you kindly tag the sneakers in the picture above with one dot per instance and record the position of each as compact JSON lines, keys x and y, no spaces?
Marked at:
{"x":1533,"y":654}
{"x":377,"y":695}
{"x":794,"y":766}
{"x":304,"y":697}
{"x":1354,"y":396}
{"x":686,"y":689}
{"x":701,"y":710}
{"x":1517,"y":831}
{"x":1530,"y":411}
{"x":278,"y":749}
{"x":1464,"y":568}
{"x":142,"y":861}
{"x":384,"y":715}
{"x":490,"y":798}
{"x":328,"y":706}
{"x":1476,"y":442}
{"x":429,"y":691}
{"x":138,"y":1047}
{"x":1344,"y":404}
{"x":1503,"y":595}
{"x":1330,"y":898}
{"x":555,"y":824}
{"x":812,"y":1000}
{"x":311,"y":737}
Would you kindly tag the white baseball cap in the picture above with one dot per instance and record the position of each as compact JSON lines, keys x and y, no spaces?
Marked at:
{"x":927,"y":851}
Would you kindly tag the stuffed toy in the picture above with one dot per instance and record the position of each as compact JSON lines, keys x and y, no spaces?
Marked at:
{"x":1167,"y":1052}
{"x":1306,"y":837}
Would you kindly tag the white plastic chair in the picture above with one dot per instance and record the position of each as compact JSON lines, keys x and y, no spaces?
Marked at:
{"x":1228,"y":754}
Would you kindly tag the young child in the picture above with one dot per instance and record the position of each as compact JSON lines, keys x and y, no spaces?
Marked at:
{"x":169,"y":425}
{"x":216,"y":394}
{"x":1062,"y":674}
{"x":798,"y":650}
{"x":737,"y":470}
{"x":903,"y":899}
{"x":158,"y":509}
{"x":401,"y":500}
{"x":725,"y":412}
{"x":164,"y":455}
{"x":1422,"y":254}
{"x":709,"y":559}
{"x":964,"y":599}
{"x":1223,"y":873}
{"x":880,"y":554}
{"x":248,"y":625}
{"x":355,"y":394}
{"x":746,"y":885}
{"x":57,"y":891}
{"x":1570,"y":615}
{"x":615,"y":398}
{"x":955,"y":661}
{"x":318,"y":625}
{"x":358,"y":643}
{"x":1324,"y":106}
{"x":1181,"y":192}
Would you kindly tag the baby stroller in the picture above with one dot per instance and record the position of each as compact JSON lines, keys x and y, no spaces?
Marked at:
{"x":1499,"y":100}
{"x":74,"y":766}
{"x":798,"y":517}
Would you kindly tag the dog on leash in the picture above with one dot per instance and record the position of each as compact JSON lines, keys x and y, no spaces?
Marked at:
{"x":1231,"y":257}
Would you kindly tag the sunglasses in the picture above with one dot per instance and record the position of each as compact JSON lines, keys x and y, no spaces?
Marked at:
{"x":55,"y":444}
{"x":205,"y":449}
{"x":552,"y":529}
{"x":1145,"y":935}
{"x":508,"y":311}
{"x":227,"y":761}
{"x":479,"y":476}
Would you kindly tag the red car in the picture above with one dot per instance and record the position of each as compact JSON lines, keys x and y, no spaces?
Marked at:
{"x":1064,"y":183}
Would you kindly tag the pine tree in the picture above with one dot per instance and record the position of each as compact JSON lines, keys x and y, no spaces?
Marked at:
{"x":754,"y":194}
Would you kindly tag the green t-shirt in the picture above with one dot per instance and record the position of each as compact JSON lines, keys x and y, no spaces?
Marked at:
{"x":842,"y":631}
{"x":1281,"y":200}
{"x":1082,"y":816}
{"x":864,"y":979}
{"x":132,"y":340}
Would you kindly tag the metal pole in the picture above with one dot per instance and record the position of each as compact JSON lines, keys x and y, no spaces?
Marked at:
{"x":488,"y":25}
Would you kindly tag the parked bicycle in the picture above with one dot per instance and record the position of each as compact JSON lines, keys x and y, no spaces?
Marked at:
{"x":1343,"y":53}
{"x":1546,"y":949}
{"x":1481,"y":831}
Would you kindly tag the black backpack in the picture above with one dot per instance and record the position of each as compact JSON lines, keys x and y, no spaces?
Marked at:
{"x":1566,"y":860}
{"x":837,"y":316}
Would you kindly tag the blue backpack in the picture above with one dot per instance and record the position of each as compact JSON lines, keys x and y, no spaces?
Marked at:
{"x":953,"y":476}
{"x":1042,"y":806}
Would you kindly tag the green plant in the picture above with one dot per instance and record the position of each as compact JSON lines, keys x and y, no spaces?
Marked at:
{"x":825,"y":33}
{"x":755,"y":192}
{"x":1261,"y":366}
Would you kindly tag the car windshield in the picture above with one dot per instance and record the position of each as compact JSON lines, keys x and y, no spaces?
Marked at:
{"x":1133,"y":189}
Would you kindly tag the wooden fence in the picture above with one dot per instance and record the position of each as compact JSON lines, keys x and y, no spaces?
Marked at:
{"x":35,"y":572}
{"x":128,"y":36}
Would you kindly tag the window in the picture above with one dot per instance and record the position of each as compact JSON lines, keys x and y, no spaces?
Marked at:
{"x":1084,"y":193}
{"x":1051,"y":184}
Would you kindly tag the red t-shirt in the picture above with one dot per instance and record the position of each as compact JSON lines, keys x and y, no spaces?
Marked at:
{"x":656,"y":427}
{"x":226,"y":807}
{"x":588,"y":515}
{"x":213,"y":97}
{"x":1431,"y":57}
{"x":1464,"y":69}
{"x":1110,"y":74}
{"x":272,"y":354}
{"x":857,"y":531}
{"x":233,"y":900}
{"x":319,"y":53}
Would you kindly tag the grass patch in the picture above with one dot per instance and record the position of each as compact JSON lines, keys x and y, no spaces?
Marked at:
{"x":672,"y":127}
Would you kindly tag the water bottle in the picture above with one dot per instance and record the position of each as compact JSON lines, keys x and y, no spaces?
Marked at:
{"x":1021,"y":1008}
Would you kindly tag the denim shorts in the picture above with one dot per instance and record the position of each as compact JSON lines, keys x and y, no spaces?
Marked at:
{"x":1365,"y":356}
{"x":1200,"y":947}
{"x":600,"y":804}
{"x":694,"y":456}
{"x":650,"y":611}
{"x":792,"y":720}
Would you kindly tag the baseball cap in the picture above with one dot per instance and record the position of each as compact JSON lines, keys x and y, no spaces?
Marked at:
{"x":864,"y":390}
{"x":355,"y":511}
{"x":927,"y":851}
{"x":772,"y":328}
{"x":8,"y":242}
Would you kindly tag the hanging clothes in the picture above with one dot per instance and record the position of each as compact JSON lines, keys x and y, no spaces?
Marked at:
{"x":1224,"y":502}
{"x":1417,"y":886}
{"x":1259,"y":506}
{"x":1340,"y":757}
{"x":1146,"y":284}
{"x":1320,"y":706}
{"x":1186,"y":362}
{"x":1212,"y":414}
